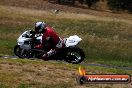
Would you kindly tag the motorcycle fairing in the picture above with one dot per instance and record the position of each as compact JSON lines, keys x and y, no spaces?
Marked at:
{"x":72,"y":41}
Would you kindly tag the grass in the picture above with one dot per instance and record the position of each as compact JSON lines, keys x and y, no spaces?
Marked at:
{"x":24,"y":73}
{"x":106,"y":40}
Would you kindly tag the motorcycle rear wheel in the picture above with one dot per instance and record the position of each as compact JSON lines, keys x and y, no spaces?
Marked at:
{"x":74,"y":55}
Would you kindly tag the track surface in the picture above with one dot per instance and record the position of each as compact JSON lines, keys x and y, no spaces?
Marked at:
{"x":86,"y":64}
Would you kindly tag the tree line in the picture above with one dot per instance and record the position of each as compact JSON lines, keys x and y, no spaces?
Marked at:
{"x":120,"y":5}
{"x":89,"y":3}
{"x":112,"y":4}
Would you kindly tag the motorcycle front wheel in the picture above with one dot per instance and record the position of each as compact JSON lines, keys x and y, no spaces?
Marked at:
{"x":21,"y":53}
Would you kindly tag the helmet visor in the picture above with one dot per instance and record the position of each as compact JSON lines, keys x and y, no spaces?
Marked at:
{"x":37,"y":29}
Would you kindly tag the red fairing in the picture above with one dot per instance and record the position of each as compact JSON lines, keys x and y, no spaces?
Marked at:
{"x":49,"y":33}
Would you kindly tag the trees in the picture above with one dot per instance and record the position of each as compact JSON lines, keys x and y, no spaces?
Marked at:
{"x":81,"y":1}
{"x":91,"y":2}
{"x":62,"y":1}
{"x":112,"y":4}
{"x":120,"y":5}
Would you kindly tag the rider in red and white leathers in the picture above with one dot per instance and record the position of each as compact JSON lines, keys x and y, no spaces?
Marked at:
{"x":50,"y":39}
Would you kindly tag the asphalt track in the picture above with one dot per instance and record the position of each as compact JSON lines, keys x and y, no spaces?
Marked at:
{"x":85,"y":64}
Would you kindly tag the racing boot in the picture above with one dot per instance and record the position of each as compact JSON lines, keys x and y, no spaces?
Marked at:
{"x":48,"y":54}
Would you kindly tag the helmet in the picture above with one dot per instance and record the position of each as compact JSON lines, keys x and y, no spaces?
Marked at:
{"x":39,"y":27}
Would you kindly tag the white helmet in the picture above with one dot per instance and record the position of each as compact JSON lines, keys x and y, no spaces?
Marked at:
{"x":39,"y":27}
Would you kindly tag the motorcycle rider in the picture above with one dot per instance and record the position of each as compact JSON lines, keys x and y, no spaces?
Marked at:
{"x":50,"y":39}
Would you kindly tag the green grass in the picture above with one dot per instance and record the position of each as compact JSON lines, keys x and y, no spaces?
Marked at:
{"x":24,"y":73}
{"x":107,"y":42}
{"x":3,"y":86}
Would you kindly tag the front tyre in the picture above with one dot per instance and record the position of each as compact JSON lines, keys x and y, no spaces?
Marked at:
{"x":74,"y":55}
{"x":17,"y":51}
{"x":21,"y":53}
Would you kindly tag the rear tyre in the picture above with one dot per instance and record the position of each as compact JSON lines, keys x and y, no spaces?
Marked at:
{"x":74,"y":55}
